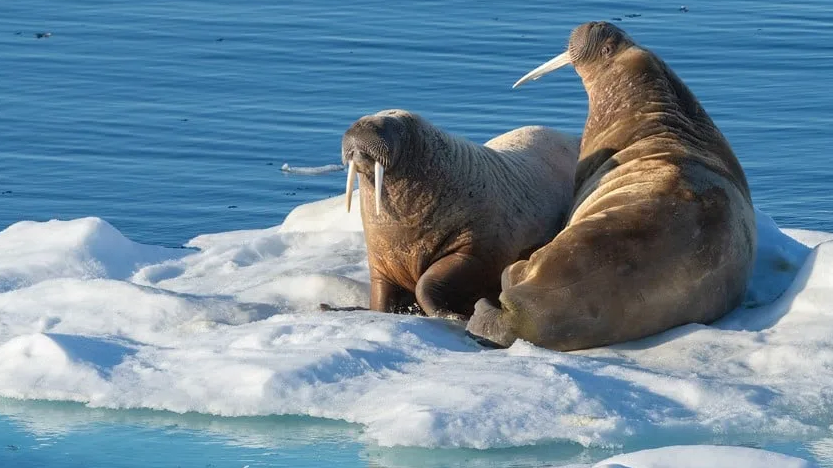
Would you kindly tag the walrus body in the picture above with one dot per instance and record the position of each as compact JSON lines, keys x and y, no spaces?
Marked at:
{"x":662,"y":230}
{"x":450,"y":214}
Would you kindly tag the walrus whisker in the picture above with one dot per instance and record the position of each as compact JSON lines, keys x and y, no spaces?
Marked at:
{"x":380,"y":175}
{"x":555,"y":63}
{"x":351,"y":177}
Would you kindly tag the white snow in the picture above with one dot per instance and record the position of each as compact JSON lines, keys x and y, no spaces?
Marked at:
{"x":231,"y":327}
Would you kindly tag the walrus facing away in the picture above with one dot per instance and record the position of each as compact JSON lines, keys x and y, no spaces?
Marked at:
{"x":662,"y":230}
{"x":443,"y":216}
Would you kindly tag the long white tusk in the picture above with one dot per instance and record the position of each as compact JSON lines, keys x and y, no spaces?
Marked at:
{"x":380,"y":176}
{"x":351,"y":177}
{"x":557,"y":62}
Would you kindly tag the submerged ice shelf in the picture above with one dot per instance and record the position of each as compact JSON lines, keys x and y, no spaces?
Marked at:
{"x":89,"y":316}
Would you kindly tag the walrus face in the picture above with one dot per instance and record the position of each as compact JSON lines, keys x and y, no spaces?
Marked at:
{"x":372,"y":145}
{"x":592,"y":45}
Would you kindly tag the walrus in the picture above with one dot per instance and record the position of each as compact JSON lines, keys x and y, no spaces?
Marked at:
{"x":662,"y":230}
{"x":443,"y":216}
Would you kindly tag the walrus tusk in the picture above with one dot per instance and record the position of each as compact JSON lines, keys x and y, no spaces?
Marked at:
{"x":380,"y":175}
{"x":351,"y":177}
{"x":557,"y":62}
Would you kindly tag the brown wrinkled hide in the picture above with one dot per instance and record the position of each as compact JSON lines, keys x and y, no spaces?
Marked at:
{"x":454,"y":213}
{"x":662,"y":230}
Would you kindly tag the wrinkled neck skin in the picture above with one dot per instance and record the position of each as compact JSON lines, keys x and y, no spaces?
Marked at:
{"x":640,"y":99}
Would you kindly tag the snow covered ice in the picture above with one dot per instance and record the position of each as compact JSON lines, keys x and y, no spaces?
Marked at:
{"x":230,"y":326}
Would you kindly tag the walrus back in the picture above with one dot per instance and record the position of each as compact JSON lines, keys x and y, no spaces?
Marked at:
{"x":539,"y":142}
{"x":534,"y":166}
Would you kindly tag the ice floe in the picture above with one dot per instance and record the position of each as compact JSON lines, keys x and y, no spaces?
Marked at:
{"x":230,"y":326}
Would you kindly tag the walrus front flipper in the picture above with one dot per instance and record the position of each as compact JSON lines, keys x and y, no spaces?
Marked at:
{"x":389,"y":297}
{"x":487,"y":328}
{"x":451,"y":285}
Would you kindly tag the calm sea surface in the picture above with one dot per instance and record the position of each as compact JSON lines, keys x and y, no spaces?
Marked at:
{"x":172,"y":118}
{"x":159,"y":115}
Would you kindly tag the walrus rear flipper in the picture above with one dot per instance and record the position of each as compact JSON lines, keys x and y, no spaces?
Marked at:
{"x":487,"y":327}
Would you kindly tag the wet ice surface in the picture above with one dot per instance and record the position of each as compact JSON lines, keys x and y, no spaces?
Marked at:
{"x":230,"y":326}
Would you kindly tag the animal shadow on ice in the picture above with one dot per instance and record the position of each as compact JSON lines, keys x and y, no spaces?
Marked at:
{"x":627,"y":396}
{"x":103,"y":354}
{"x":768,"y":315}
{"x":338,"y":367}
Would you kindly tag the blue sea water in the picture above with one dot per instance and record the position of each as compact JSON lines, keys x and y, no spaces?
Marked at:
{"x":172,"y":118}
{"x":39,"y":434}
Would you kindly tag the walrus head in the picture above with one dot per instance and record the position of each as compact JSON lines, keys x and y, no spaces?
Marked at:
{"x":633,"y":94}
{"x":371,"y":146}
{"x":592,"y":46}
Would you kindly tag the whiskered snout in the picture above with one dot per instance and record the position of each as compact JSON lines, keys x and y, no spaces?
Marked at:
{"x":369,"y":142}
{"x":355,"y":160}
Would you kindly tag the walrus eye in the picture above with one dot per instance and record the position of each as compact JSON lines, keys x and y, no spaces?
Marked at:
{"x":607,"y":49}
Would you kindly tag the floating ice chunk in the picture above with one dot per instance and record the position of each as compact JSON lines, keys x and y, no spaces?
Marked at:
{"x":703,"y":456}
{"x":312,"y":170}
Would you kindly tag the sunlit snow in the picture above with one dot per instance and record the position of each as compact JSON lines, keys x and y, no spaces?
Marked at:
{"x":230,"y":326}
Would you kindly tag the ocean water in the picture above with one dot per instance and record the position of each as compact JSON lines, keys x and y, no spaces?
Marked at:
{"x":172,"y":119}
{"x":158,"y":116}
